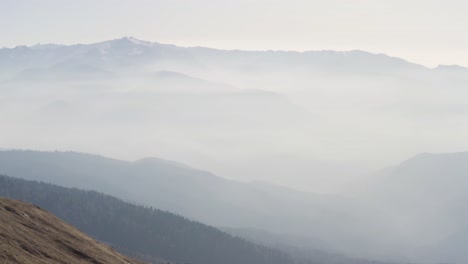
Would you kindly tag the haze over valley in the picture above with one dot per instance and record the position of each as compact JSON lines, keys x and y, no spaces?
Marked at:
{"x":241,"y":114}
{"x":233,"y":132}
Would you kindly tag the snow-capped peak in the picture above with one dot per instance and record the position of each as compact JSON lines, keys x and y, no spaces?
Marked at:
{"x":138,"y":41}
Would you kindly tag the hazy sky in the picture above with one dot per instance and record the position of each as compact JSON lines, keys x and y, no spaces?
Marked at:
{"x":429,"y":32}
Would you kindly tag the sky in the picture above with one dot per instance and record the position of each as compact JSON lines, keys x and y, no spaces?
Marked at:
{"x":427,"y":32}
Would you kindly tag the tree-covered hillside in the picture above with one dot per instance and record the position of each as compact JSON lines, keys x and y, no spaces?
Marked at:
{"x":139,"y":229}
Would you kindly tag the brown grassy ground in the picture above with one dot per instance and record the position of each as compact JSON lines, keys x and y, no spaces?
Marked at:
{"x":29,"y":234}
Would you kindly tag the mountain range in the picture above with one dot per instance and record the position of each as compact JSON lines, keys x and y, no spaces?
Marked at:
{"x":129,"y":51}
{"x":222,"y":109}
{"x":386,"y":215}
{"x":255,"y":121}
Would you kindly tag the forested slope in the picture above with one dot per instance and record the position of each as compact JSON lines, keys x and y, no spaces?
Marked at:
{"x":139,"y":229}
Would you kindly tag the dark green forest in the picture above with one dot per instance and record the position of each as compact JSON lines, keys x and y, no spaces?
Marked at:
{"x":141,"y":230}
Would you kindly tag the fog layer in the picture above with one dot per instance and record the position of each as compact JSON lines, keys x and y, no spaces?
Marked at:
{"x":314,"y":121}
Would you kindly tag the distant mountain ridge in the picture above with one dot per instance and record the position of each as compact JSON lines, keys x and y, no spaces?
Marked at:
{"x":134,"y":46}
{"x":132,"y":52}
{"x":104,"y":46}
{"x":451,"y":68}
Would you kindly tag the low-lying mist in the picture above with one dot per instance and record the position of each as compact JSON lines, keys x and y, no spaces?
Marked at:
{"x":314,"y":120}
{"x":333,"y":128}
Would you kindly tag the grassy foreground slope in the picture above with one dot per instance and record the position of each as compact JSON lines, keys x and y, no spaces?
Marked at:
{"x":29,"y":234}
